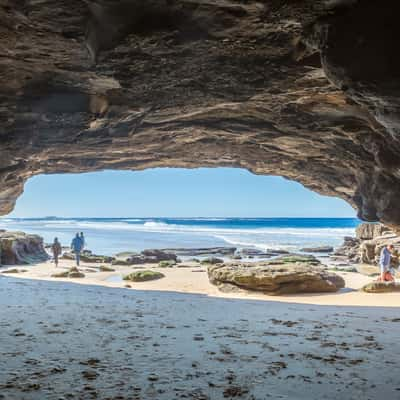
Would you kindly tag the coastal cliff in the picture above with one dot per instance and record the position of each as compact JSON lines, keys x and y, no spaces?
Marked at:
{"x":366,"y":246}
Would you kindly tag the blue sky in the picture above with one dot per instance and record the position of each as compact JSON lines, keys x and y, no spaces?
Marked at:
{"x":203,"y":192}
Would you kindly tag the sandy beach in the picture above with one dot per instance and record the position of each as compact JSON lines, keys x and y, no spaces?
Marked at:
{"x":192,"y":278}
{"x":68,"y":341}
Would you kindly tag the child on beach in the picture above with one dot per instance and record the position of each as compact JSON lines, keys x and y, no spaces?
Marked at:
{"x":56,"y":250}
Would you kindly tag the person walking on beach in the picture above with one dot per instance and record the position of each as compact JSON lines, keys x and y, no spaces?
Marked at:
{"x":56,"y":250}
{"x":77,"y":247}
{"x":384,"y":264}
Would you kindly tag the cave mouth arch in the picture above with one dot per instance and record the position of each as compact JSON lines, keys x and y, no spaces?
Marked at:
{"x":272,"y":88}
{"x":170,"y":208}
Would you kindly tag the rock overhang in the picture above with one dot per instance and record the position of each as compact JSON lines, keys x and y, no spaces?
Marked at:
{"x":306,"y":90}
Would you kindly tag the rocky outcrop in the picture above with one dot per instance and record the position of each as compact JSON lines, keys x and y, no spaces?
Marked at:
{"x":365,"y":248}
{"x":318,"y":249}
{"x":349,"y":251}
{"x":152,"y":256}
{"x":21,"y":248}
{"x":275,"y":279}
{"x":88,"y":256}
{"x":202,"y":251}
{"x":304,"y":89}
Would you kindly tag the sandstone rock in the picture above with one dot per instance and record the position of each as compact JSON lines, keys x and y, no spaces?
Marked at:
{"x":367,"y":269}
{"x":105,"y":268}
{"x":250,"y":252}
{"x":276,"y":279}
{"x":21,"y":248}
{"x":381,"y":287}
{"x":271,"y":86}
{"x":318,"y":249}
{"x":145,"y":257}
{"x":142,"y":276}
{"x":370,"y":231}
{"x":295,"y":258}
{"x":13,"y":271}
{"x":71,"y":273}
{"x":87,"y":256}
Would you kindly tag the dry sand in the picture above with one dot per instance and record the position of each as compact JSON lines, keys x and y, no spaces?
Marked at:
{"x":62,"y":341}
{"x":193,"y":279}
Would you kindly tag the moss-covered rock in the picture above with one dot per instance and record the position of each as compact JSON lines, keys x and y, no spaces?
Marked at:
{"x":71,"y":273}
{"x":142,"y":276}
{"x":13,"y":271}
{"x":381,"y":287}
{"x":166,"y":264}
{"x":105,"y":268}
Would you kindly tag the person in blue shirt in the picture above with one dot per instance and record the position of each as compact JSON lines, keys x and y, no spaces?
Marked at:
{"x":77,"y":247}
{"x":384,"y":263}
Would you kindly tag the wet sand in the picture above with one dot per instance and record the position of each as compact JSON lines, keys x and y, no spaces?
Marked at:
{"x":193,"y":279}
{"x":68,"y":341}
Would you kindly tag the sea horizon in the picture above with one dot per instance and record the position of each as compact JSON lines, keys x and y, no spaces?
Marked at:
{"x":110,"y":235}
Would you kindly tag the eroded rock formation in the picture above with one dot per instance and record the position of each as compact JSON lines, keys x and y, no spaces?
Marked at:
{"x":21,"y":248}
{"x":274,"y":278}
{"x":305,"y":89}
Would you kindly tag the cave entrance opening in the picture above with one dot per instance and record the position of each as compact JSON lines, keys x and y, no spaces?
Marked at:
{"x":123,"y":211}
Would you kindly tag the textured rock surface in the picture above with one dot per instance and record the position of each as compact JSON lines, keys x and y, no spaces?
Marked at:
{"x":381,"y":287}
{"x":151,"y":256}
{"x":143,"y":276}
{"x":21,"y":248}
{"x":366,"y":246}
{"x":305,"y":89}
{"x":275,"y":279}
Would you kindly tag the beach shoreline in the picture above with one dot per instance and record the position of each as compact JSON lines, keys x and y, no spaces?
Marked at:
{"x":193,"y":279}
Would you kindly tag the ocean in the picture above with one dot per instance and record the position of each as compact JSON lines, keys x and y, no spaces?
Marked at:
{"x":112,"y":235}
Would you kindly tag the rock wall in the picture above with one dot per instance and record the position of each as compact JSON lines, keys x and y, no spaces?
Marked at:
{"x":21,"y":248}
{"x":366,"y":246}
{"x":305,"y":89}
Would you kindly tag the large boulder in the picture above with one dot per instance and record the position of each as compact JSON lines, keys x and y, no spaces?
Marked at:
{"x":276,"y":279}
{"x":21,"y":248}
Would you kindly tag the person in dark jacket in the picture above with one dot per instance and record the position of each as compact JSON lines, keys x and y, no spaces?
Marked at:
{"x":56,"y":249}
{"x":77,"y":247}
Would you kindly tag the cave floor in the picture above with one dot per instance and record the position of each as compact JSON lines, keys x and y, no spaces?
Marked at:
{"x":68,"y":341}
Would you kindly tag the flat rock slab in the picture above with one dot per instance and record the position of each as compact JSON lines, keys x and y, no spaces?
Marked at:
{"x":275,"y":279}
{"x":381,"y":287}
{"x":367,"y":269}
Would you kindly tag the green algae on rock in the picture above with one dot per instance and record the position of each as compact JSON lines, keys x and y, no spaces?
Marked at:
{"x":143,"y":276}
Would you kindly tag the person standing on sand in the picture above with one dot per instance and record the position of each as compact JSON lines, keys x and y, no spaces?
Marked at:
{"x":83,"y":240}
{"x":56,"y":250}
{"x":384,"y":263}
{"x":77,"y":247}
